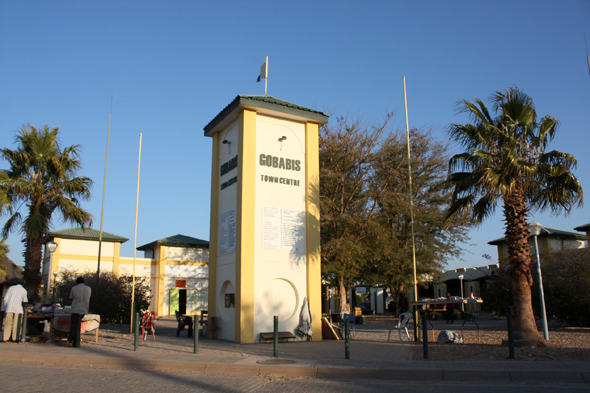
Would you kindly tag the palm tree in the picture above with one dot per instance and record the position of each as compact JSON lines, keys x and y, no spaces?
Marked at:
{"x":4,"y":249}
{"x":505,"y":162}
{"x":42,"y":177}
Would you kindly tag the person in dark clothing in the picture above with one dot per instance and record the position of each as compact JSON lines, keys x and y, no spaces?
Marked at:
{"x":403,"y":303}
{"x":450,"y":307}
{"x":80,"y":295}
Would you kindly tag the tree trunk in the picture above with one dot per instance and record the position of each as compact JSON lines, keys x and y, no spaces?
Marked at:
{"x":515,"y":212}
{"x":32,"y":275}
{"x":343,"y":294}
{"x":395,"y":292}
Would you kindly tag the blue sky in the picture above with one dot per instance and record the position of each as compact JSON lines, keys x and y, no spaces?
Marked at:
{"x":172,"y":66}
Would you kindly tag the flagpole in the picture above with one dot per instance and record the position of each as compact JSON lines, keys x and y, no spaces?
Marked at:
{"x":104,"y":187}
{"x":411,"y":201}
{"x":135,"y":238}
{"x":411,"y":194}
{"x":266,"y":74}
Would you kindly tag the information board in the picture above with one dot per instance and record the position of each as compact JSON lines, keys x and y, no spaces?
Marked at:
{"x":281,"y":228}
{"x":227,"y":232}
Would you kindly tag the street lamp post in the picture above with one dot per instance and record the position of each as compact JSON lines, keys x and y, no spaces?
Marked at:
{"x":535,"y":230}
{"x":51,"y":247}
{"x":461,"y":277}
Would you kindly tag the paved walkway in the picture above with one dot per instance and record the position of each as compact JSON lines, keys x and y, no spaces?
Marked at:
{"x":371,"y":357}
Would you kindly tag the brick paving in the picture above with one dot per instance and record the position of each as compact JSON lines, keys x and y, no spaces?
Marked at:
{"x":59,"y":379}
{"x":371,"y":357}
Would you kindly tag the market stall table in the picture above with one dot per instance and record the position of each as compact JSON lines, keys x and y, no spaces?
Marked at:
{"x":61,"y":323}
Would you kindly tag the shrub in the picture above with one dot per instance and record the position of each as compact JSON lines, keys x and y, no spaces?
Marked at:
{"x":111,"y":297}
{"x":566,"y":282}
{"x":497,"y":291}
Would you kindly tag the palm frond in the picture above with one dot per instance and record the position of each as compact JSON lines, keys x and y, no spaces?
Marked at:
{"x":458,"y":206}
{"x":558,"y":192}
{"x":12,"y":222}
{"x":484,"y":208}
{"x":557,"y":158}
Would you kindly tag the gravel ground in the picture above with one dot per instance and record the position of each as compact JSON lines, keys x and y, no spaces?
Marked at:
{"x":565,"y":344}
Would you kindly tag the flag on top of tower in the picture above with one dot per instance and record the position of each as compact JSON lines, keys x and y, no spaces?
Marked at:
{"x":263,"y":71}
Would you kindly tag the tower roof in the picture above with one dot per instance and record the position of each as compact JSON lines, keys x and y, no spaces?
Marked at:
{"x":266,"y":105}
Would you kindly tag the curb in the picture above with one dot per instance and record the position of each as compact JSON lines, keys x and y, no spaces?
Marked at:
{"x":406,"y":374}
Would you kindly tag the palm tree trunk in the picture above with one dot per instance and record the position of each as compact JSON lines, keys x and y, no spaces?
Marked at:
{"x":515,"y":212}
{"x":32,"y":275}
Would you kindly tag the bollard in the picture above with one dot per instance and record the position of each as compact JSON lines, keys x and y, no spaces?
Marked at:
{"x":425,"y":336}
{"x":136,"y":326}
{"x":132,"y":324}
{"x":23,"y":336}
{"x":346,"y":338}
{"x":196,"y":335}
{"x":275,"y":338}
{"x":510,"y":335}
{"x":417,"y":334}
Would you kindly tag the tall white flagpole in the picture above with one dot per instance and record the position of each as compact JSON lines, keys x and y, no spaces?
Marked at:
{"x":411,"y":210}
{"x":411,"y":194}
{"x":104,"y":187}
{"x":135,"y":237}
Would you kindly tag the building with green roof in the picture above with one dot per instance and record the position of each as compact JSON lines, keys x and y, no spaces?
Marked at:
{"x":181,"y":278}
{"x":550,"y":240}
{"x":176,"y":267}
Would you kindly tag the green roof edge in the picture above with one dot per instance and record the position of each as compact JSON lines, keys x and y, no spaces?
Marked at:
{"x":87,"y":234}
{"x":169,"y":241}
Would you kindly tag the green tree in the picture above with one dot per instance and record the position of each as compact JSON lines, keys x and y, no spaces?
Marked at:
{"x":42,"y":177}
{"x":505,"y":162}
{"x":347,"y":154}
{"x":436,"y":239}
{"x":111,"y":296}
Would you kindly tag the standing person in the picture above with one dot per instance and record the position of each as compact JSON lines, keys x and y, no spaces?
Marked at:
{"x":450,"y":310}
{"x":80,"y":295}
{"x":403,"y":303}
{"x":13,"y":306}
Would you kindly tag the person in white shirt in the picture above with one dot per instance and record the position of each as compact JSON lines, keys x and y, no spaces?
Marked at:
{"x":80,"y":295}
{"x":13,"y":306}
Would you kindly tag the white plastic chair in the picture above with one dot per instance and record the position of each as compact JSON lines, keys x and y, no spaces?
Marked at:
{"x":402,"y":324}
